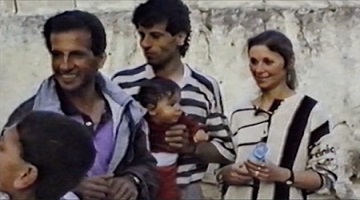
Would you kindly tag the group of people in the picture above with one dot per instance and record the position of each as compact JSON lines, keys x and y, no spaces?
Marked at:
{"x":149,"y":132}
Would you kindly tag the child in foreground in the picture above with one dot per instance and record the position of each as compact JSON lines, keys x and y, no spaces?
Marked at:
{"x":43,"y":156}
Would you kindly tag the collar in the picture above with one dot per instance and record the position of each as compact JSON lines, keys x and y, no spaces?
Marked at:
{"x":187,"y":74}
{"x":71,"y":110}
{"x":48,"y":98}
{"x":274,"y":106}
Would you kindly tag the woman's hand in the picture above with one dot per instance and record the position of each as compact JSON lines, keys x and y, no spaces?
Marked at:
{"x":268,"y":172}
{"x":234,"y":174}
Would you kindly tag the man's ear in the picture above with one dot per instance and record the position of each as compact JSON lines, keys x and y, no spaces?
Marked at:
{"x":26,"y":178}
{"x":101,"y":60}
{"x":180,"y":38}
{"x":151,"y":109}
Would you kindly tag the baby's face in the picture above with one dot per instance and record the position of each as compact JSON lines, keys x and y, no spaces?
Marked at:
{"x":168,"y":110}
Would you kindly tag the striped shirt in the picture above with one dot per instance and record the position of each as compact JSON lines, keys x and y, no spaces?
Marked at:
{"x":293,"y":129}
{"x":201,"y":100}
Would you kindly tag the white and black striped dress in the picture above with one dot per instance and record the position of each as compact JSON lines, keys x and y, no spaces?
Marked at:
{"x":201,"y":99}
{"x":292,"y":129}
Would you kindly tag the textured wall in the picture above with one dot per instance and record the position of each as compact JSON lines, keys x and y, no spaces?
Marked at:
{"x":326,"y":39}
{"x":325,"y":35}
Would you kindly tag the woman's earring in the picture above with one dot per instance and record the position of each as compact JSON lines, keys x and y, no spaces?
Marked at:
{"x":288,"y":77}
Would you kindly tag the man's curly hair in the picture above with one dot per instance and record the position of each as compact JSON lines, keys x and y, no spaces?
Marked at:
{"x":174,"y":12}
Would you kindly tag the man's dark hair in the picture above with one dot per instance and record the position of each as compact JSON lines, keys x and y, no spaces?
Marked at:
{"x":77,"y":20}
{"x":61,"y":149}
{"x":155,"y":89}
{"x":173,"y":12}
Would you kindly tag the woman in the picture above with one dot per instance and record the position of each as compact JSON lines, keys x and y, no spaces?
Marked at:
{"x":291,"y":124}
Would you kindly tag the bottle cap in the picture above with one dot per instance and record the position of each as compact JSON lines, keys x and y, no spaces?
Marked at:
{"x":259,"y":153}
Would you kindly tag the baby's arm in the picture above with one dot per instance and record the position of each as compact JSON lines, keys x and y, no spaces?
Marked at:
{"x":201,"y":136}
{"x":197,"y":131}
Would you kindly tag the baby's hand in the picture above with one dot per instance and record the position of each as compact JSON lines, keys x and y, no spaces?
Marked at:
{"x":201,"y":136}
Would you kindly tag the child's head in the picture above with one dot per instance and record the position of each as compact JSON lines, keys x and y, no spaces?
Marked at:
{"x":162,"y":99}
{"x":44,"y":156}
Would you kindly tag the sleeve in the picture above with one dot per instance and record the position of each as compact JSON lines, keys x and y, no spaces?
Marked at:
{"x":218,"y":126}
{"x":141,"y":163}
{"x":234,"y":118}
{"x":322,"y":153}
{"x":130,"y":79}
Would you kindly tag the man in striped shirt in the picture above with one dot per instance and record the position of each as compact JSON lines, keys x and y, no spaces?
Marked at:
{"x":164,"y":29}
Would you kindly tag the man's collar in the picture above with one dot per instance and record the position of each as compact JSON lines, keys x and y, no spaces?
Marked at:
{"x":67,"y":106}
{"x":187,"y":73}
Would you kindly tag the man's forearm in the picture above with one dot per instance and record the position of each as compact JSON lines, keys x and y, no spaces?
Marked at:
{"x":207,"y":152}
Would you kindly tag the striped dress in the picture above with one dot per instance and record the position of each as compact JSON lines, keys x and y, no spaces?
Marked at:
{"x":201,"y":100}
{"x":293,"y":130}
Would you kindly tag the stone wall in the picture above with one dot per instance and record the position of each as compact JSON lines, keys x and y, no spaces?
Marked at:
{"x":325,"y":35}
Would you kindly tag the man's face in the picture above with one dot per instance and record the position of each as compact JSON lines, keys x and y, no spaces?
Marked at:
{"x":11,"y":163}
{"x":158,"y":45}
{"x":73,"y":62}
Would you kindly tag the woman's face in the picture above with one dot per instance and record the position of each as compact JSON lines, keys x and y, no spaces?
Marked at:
{"x":267,"y":67}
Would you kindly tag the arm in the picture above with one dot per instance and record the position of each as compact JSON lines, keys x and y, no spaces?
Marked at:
{"x":142,"y":164}
{"x":178,"y":138}
{"x":197,"y":131}
{"x":220,"y":149}
{"x":322,"y":154}
{"x":209,"y":153}
{"x":308,"y":180}
{"x":22,"y":110}
{"x":319,"y":175}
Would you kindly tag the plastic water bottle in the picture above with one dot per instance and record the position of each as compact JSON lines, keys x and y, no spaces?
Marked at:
{"x":259,"y":153}
{"x":4,"y":196}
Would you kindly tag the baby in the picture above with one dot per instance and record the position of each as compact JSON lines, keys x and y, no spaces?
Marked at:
{"x":161,"y":97}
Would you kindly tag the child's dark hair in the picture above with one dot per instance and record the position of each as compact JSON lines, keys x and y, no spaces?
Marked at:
{"x":153,"y":90}
{"x":59,"y":147}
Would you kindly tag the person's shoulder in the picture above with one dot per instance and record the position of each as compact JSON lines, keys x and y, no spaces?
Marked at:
{"x":204,"y":81}
{"x":27,"y":104}
{"x":202,"y":77}
{"x":22,"y":110}
{"x":320,"y":113}
{"x":244,"y":105}
{"x":129,"y":71}
{"x":136,"y":111}
{"x":318,"y":105}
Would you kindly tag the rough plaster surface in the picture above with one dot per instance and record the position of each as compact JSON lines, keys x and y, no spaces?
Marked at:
{"x":325,"y":35}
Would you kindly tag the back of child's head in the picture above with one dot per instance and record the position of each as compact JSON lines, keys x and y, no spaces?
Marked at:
{"x":155,"y":89}
{"x":60,"y":148}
